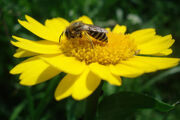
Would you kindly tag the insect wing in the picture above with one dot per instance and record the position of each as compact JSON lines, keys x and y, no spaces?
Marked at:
{"x":93,"y":28}
{"x":97,"y":29}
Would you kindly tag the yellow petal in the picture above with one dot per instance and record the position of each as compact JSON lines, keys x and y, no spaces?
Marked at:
{"x":143,"y":36}
{"x":41,"y":47}
{"x":85,"y":85}
{"x":39,"y":29}
{"x":108,"y":29}
{"x":23,"y":66}
{"x":104,"y":73}
{"x":57,"y":25}
{"x":139,"y":65}
{"x":34,"y":71}
{"x":23,"y":53}
{"x":164,"y":52}
{"x":79,"y":86}
{"x":84,"y":19}
{"x":156,"y":45}
{"x":158,"y":62}
{"x":66,"y":64}
{"x":119,"y":29}
{"x":65,"y":87}
{"x":125,"y":70}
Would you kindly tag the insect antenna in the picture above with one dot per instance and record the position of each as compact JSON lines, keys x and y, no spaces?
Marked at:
{"x":61,"y":36}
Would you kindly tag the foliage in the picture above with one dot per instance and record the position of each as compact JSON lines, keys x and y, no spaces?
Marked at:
{"x":18,"y":102}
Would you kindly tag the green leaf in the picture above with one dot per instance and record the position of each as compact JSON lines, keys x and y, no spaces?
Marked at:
{"x":124,"y":104}
{"x":17,"y":110}
{"x":160,"y":77}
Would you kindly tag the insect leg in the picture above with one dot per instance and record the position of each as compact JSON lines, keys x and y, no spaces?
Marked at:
{"x":137,"y":52}
{"x":89,"y":40}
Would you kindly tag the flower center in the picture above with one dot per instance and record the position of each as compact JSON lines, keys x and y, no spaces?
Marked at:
{"x":119,"y":47}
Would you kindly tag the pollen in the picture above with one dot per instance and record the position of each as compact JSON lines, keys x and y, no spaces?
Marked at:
{"x":119,"y":47}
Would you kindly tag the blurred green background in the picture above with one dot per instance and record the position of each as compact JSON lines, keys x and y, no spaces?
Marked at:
{"x":20,"y":102}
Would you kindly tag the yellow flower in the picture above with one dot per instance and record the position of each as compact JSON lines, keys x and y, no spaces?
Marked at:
{"x":85,"y":66}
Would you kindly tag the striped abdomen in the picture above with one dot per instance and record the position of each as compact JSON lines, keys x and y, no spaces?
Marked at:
{"x":101,"y":36}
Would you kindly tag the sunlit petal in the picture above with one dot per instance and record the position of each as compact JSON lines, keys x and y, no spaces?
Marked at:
{"x":41,"y":47}
{"x":119,"y":29}
{"x":34,"y":71}
{"x":105,"y":73}
{"x":66,"y":64}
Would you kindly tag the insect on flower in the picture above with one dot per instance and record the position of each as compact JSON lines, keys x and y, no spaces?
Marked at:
{"x":126,"y":55}
{"x":76,"y":29}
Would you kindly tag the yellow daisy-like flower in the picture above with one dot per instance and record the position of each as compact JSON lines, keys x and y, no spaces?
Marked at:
{"x":86,"y":66}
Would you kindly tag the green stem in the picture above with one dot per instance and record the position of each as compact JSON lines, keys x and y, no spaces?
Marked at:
{"x":91,"y":104}
{"x":47,"y":97}
{"x":44,"y":101}
{"x":30,"y":102}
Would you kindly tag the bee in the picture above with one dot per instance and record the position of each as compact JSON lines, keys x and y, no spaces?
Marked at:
{"x":76,"y":29}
